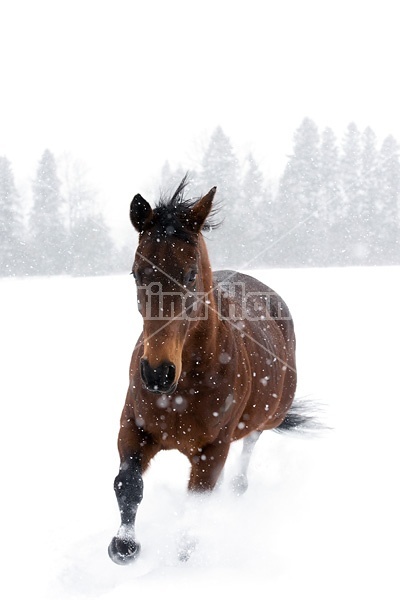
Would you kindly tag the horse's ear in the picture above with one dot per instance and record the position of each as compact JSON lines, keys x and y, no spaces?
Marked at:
{"x":201,"y":210}
{"x":140,"y":213}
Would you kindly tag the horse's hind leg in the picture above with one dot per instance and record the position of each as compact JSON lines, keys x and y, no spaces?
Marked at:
{"x":207,"y":466}
{"x":239,"y":482}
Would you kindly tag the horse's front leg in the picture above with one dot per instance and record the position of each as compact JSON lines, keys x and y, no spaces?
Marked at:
{"x":128,"y":487}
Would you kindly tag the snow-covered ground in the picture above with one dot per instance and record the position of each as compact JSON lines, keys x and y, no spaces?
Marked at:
{"x":321,"y":516}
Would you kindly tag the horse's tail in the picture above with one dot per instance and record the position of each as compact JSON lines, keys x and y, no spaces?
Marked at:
{"x":304,"y":416}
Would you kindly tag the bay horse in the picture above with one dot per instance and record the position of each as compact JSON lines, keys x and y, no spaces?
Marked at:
{"x":215,"y":361}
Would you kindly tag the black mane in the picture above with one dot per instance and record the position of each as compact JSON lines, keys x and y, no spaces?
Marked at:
{"x":171,"y":215}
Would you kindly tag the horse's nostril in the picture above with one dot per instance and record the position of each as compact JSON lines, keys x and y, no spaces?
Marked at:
{"x":143,"y":369}
{"x":171,"y":370}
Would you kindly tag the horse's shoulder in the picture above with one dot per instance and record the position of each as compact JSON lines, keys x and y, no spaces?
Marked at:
{"x":248,"y":292}
{"x":228,"y":279}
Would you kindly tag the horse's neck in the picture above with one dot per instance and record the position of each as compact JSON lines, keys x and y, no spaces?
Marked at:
{"x":204,"y":334}
{"x":207,"y":278}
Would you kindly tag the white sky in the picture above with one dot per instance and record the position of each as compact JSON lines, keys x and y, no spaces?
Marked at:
{"x":126,"y":84}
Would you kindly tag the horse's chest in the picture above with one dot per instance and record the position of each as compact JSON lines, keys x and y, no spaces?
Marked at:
{"x":175,"y":423}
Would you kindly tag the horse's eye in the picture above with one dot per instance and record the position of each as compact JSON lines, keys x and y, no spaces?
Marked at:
{"x":136,"y":277}
{"x":191,"y":276}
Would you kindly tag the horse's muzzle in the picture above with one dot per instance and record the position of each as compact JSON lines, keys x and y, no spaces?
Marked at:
{"x":158,"y":380}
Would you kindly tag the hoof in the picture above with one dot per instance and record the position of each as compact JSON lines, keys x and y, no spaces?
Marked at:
{"x":123,"y":551}
{"x":239,"y":484}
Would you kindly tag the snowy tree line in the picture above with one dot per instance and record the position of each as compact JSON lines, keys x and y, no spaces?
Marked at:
{"x":335,"y":204}
{"x":340,"y":204}
{"x":62,"y":233}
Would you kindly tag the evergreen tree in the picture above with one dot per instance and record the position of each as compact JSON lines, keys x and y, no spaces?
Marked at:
{"x":90,"y":247}
{"x":92,"y":251}
{"x":259,"y":226}
{"x":270,"y":236}
{"x":350,"y":168}
{"x":387,"y":218}
{"x":297,"y":201}
{"x":220,"y":167}
{"x":368,"y":197}
{"x":11,"y":223}
{"x":330,"y":200}
{"x":47,"y":222}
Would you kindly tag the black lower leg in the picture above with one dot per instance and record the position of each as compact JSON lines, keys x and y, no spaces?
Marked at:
{"x":128,"y":487}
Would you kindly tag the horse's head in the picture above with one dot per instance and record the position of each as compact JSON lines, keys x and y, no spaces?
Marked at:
{"x":173,"y":278}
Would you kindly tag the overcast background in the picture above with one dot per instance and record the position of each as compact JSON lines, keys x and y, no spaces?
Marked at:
{"x":126,"y":85}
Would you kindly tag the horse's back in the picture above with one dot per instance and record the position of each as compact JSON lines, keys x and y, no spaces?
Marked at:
{"x":254,"y":299}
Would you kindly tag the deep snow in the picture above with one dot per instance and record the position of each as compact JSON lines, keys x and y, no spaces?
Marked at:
{"x":320,"y":518}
